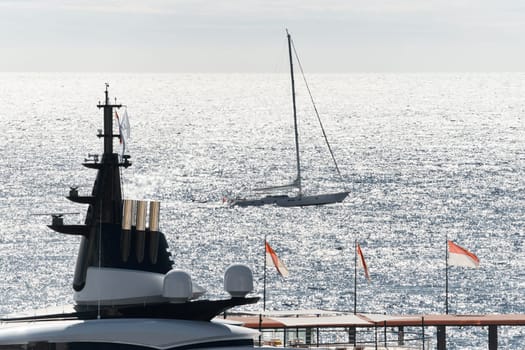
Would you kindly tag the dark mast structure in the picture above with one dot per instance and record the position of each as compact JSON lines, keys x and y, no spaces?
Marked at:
{"x":104,"y":241}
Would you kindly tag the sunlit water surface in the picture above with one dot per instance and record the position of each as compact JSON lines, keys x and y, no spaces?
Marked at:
{"x":425,"y":156}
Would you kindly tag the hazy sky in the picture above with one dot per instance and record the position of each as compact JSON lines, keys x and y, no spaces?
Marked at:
{"x":248,"y":35}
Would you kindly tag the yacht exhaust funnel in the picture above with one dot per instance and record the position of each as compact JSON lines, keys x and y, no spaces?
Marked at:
{"x":154,"y":210}
{"x":125,"y":234}
{"x":127,"y":210}
{"x":134,"y":214}
{"x":141,"y":230}
{"x":141,"y":215}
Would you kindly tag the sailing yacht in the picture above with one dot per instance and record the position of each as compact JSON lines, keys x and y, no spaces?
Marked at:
{"x":127,"y":293}
{"x":299,"y":199}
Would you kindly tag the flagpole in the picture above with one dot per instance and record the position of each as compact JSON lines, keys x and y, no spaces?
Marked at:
{"x":446,"y":274}
{"x":355,"y":277}
{"x":264,"y":275}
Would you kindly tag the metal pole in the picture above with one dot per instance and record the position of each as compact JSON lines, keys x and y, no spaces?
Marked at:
{"x":264,"y":274}
{"x":385,"y":333}
{"x":423,"y":332}
{"x":352,"y":335}
{"x":441,"y":338}
{"x":308,"y":336}
{"x":446,"y":275}
{"x":294,"y":114}
{"x":493,"y":337}
{"x":355,"y":277}
{"x":260,"y":329}
{"x":108,"y":124}
{"x":375,"y":334}
{"x":401,"y":335}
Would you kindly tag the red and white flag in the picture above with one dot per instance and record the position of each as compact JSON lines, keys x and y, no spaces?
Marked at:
{"x":459,"y":256}
{"x":271,"y":257}
{"x":361,"y":261}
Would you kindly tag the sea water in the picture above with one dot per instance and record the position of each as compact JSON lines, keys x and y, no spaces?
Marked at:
{"x":425,"y":157}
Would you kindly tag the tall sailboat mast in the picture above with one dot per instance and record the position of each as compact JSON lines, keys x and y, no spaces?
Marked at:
{"x":297,"y":181}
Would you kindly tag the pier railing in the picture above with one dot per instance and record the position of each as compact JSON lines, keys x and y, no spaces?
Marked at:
{"x":345,"y":338}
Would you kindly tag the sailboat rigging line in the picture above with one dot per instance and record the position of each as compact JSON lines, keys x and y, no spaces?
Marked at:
{"x":317,"y":114}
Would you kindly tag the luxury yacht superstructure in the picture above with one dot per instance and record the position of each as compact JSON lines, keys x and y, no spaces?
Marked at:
{"x":127,"y":293}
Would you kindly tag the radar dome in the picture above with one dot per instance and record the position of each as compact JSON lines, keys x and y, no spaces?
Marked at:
{"x":238,"y":280}
{"x":177,"y":286}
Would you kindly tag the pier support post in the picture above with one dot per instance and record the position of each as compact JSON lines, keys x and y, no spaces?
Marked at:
{"x":400,"y":335}
{"x":308,"y":336}
{"x":423,"y":332}
{"x":260,"y":330}
{"x":352,"y":336}
{"x":375,"y":332}
{"x":493,"y":337}
{"x":385,"y":334}
{"x":441,"y":338}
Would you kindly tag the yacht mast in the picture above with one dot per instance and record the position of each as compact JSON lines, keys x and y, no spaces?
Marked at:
{"x":105,"y":201}
{"x":297,"y":181}
{"x":107,"y":189}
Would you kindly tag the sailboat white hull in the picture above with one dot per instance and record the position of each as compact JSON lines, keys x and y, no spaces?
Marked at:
{"x":302,"y":201}
{"x":297,"y":201}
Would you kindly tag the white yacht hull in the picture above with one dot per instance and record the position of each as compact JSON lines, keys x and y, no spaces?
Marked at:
{"x":124,"y":334}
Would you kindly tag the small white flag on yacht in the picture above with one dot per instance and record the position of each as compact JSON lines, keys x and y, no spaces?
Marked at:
{"x":124,"y":125}
{"x":124,"y":129}
{"x":271,"y":257}
{"x":459,"y":256}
